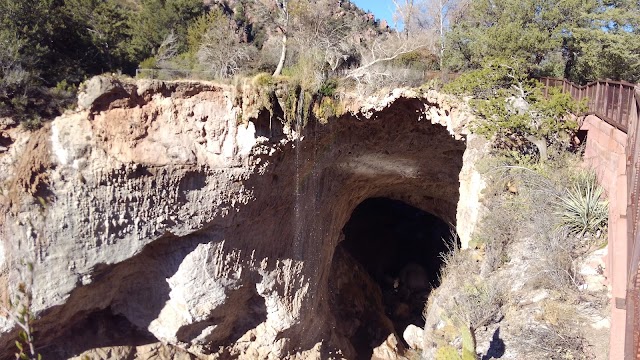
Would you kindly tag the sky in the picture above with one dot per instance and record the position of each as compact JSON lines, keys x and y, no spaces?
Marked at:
{"x":382,"y":9}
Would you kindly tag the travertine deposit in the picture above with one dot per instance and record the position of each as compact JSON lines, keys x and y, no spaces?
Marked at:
{"x":174,"y":220}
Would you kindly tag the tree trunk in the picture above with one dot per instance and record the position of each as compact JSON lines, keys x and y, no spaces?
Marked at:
{"x":283,"y":56}
{"x":541,"y":144}
{"x":441,"y":16}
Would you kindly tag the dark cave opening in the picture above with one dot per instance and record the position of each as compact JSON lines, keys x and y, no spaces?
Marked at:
{"x":391,"y":254}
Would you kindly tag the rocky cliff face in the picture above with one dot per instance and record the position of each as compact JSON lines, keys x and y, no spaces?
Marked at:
{"x":168,"y":220}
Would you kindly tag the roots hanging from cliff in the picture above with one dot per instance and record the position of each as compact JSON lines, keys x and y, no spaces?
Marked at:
{"x":384,"y":269}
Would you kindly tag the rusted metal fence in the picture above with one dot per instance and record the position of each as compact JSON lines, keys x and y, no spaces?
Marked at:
{"x":633,"y":221}
{"x":612,"y":101}
{"x":618,"y":103}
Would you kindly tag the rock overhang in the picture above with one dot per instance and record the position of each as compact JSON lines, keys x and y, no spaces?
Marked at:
{"x":133,"y":177}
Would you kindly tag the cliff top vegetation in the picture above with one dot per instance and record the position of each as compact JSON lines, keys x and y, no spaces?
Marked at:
{"x":48,"y":47}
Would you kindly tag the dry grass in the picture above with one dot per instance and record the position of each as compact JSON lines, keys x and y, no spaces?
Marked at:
{"x":475,"y":300}
{"x":542,"y":342}
{"x":522,"y":201}
{"x":555,"y":267}
{"x":520,"y":249}
{"x":480,"y":303}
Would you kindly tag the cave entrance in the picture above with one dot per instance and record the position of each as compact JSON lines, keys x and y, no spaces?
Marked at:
{"x":384,"y":269}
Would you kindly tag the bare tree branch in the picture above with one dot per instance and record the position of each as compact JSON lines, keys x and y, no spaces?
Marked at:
{"x":221,"y":52}
{"x":386,"y":51}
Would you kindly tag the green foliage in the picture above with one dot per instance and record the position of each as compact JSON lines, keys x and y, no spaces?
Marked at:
{"x":421,"y":59}
{"x":32,"y":124}
{"x":328,"y":108}
{"x":579,"y":39}
{"x":64,"y":86}
{"x":105,"y":30}
{"x":263,"y":80}
{"x":582,"y":208}
{"x":17,"y":83}
{"x":607,"y":44}
{"x":290,"y":98}
{"x":328,"y":88}
{"x":448,"y":352}
{"x":522,"y":30}
{"x":306,"y":72}
{"x":44,"y":43}
{"x":480,"y":84}
{"x":67,"y":39}
{"x":157,"y":19}
{"x":512,"y":109}
{"x":149,"y":63}
{"x":199,"y":27}
{"x":20,"y":312}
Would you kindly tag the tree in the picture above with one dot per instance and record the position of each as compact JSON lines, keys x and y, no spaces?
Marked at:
{"x":282,"y":23}
{"x":405,"y":15}
{"x":277,"y":14}
{"x":35,"y":25}
{"x":320,"y":37}
{"x":520,"y":29}
{"x":309,"y":31}
{"x":107,"y":26}
{"x":607,"y":44}
{"x":442,"y":13}
{"x":580,"y":39}
{"x":220,"y":50}
{"x":157,"y":19}
{"x":16,"y":82}
{"x":67,"y":40}
{"x":383,"y":50}
{"x":512,"y":110}
{"x":434,"y":16}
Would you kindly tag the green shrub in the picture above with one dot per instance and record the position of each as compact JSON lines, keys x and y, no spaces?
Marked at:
{"x":328,"y":108}
{"x":328,"y":88}
{"x":32,"y":124}
{"x":199,"y":27}
{"x":64,"y":86}
{"x":582,"y":208}
{"x":421,"y":59}
{"x":149,"y":63}
{"x":512,"y":110}
{"x":19,"y":311}
{"x":448,"y":352}
{"x":263,"y":80}
{"x":307,"y":72}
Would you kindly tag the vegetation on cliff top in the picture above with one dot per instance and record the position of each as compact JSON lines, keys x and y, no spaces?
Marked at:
{"x":50,"y":46}
{"x":513,"y":111}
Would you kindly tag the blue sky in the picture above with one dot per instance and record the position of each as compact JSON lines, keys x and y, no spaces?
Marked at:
{"x":383,"y":9}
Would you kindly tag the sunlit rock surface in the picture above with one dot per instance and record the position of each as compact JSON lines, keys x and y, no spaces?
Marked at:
{"x":161,"y":218}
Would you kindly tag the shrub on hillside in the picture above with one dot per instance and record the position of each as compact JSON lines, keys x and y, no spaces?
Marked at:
{"x":512,"y":110}
{"x":582,"y":208}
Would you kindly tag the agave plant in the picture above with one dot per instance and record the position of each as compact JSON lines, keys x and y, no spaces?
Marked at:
{"x":582,"y":208}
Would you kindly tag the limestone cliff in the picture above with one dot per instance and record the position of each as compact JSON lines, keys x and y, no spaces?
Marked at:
{"x":174,"y":218}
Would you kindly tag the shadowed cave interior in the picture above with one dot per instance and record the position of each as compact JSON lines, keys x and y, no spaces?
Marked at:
{"x":384,"y":269}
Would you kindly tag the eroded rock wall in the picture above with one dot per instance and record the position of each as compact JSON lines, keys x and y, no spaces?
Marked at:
{"x":155,"y":205}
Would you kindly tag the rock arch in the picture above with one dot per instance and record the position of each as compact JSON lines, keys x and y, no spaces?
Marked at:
{"x":170,"y":194}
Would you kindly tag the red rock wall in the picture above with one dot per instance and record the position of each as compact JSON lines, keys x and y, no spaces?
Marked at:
{"x":605,"y":153}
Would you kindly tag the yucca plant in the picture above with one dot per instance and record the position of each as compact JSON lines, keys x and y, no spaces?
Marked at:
{"x":582,"y":208}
